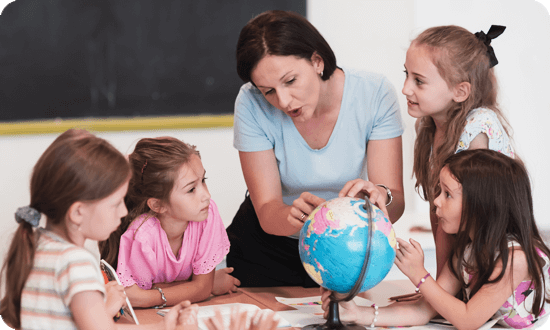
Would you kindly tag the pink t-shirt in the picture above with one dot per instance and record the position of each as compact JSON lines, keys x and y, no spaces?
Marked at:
{"x":145,"y":256}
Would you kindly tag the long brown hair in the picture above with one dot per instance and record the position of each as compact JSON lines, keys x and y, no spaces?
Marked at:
{"x":497,"y":207}
{"x":155,"y":163}
{"x":283,"y":33}
{"x":77,"y":166}
{"x":459,"y":57}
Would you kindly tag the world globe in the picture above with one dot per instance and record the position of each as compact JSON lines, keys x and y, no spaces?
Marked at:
{"x":334,"y":243}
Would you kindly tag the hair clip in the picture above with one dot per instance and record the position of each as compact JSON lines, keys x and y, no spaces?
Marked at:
{"x":494,"y":32}
{"x":143,"y":169}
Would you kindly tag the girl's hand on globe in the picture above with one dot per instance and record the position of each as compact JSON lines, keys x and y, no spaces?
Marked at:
{"x":348,"y":310}
{"x":409,"y":258}
{"x":302,"y":208}
{"x":360,"y":188}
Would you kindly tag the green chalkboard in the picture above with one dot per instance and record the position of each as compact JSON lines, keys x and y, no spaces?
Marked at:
{"x":82,"y":58}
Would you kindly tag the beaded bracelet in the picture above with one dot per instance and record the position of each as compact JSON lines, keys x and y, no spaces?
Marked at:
{"x":375,"y":315}
{"x":421,"y":281}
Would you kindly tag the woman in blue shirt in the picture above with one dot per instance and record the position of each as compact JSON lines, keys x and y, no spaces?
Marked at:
{"x":307,"y":131}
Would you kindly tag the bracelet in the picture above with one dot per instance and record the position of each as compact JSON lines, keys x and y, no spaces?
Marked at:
{"x":375,"y":315}
{"x":388,"y":192}
{"x":162,"y":296}
{"x":421,"y":281}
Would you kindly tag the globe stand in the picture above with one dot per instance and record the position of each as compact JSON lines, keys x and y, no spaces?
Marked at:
{"x":333,"y":319}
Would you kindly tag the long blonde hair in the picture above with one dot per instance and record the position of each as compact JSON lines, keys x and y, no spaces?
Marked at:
{"x":459,"y":56}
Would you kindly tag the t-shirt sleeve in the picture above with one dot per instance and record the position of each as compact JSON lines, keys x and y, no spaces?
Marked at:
{"x":485,"y":121}
{"x":388,"y":122}
{"x":248,"y":133}
{"x":213,"y":244}
{"x":136,"y":261}
{"x":78,"y":271}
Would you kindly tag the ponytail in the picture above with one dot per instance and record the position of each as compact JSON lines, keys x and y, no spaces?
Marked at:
{"x":17,"y":267}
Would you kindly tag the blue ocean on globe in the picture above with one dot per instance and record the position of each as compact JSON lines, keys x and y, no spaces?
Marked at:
{"x":333,"y":244}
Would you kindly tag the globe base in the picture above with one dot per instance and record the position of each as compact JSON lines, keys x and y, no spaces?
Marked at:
{"x":333,"y":321}
{"x":331,"y":327}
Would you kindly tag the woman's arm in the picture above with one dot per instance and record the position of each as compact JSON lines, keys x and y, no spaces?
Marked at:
{"x":197,"y":289}
{"x":264,"y":185}
{"x":385,"y":166}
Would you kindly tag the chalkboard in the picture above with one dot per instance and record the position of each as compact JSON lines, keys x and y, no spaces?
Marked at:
{"x":104,"y":58}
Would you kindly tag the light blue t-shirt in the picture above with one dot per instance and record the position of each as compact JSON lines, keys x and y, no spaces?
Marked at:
{"x":369,"y":111}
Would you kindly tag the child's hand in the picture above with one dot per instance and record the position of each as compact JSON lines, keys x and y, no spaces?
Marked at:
{"x":116,"y":298}
{"x":409,"y":258}
{"x":348,"y":310}
{"x":182,"y":316}
{"x":361,"y":189}
{"x":223,"y":282}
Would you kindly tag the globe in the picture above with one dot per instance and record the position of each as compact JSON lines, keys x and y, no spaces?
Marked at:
{"x":334,"y":242}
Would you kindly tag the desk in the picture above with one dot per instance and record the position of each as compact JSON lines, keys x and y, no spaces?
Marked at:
{"x":265,"y":297}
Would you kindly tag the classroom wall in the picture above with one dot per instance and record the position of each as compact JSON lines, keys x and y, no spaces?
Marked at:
{"x":371,"y":35}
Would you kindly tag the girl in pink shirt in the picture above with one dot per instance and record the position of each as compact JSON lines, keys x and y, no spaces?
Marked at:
{"x":166,"y":250}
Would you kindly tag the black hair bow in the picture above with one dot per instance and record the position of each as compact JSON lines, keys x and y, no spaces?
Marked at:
{"x":494,"y":32}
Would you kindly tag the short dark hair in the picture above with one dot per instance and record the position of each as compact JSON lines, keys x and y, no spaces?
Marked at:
{"x":283,"y":33}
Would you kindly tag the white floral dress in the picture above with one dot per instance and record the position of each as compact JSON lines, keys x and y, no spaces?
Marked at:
{"x":483,"y":120}
{"x":516,"y":311}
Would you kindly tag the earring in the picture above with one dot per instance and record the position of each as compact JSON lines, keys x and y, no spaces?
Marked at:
{"x":321,"y":74}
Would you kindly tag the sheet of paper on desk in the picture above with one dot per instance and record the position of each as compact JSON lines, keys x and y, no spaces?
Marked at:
{"x":206,"y":312}
{"x":309,"y":310}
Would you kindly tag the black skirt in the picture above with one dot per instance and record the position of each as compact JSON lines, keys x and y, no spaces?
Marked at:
{"x":260,"y":259}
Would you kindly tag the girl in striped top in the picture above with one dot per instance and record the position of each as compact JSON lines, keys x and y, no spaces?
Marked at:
{"x":52,"y":282}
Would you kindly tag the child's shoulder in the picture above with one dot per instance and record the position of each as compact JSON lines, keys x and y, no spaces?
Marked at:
{"x":143,"y":227}
{"x":481,"y":115}
{"x":53,"y":247}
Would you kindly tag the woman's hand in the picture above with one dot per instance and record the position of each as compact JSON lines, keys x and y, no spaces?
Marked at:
{"x":360,"y":188}
{"x":302,"y":208}
{"x":224,"y":283}
{"x":348,"y":310}
{"x":116,"y":298}
{"x":409,"y":258}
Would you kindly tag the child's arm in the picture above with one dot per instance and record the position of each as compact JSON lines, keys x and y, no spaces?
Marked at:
{"x":197,"y":289}
{"x":224,"y":282}
{"x":89,"y":313}
{"x":483,"y":304}
{"x":116,"y":298}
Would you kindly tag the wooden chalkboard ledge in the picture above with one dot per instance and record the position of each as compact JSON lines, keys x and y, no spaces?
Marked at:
{"x":115,"y":124}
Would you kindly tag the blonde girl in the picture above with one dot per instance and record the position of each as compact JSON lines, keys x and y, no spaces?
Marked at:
{"x":451,"y":88}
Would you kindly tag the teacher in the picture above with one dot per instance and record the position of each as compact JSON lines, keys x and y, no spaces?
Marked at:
{"x":307,"y":131}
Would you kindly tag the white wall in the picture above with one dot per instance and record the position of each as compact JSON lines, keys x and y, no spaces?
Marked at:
{"x":20,"y":153}
{"x":371,"y":35}
{"x":375,"y":34}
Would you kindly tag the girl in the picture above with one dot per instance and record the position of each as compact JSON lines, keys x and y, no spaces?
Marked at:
{"x":52,"y":282}
{"x":167,"y":248}
{"x":451,"y":88}
{"x":499,"y":257}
